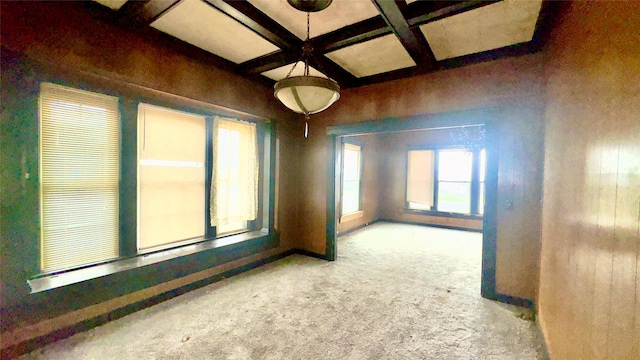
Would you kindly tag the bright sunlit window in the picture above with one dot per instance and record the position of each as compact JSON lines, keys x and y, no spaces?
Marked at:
{"x":483,"y":170}
{"x":446,"y":180}
{"x":454,"y":181}
{"x":351,"y":173}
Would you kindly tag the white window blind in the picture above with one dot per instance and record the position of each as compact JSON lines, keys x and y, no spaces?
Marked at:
{"x":351,"y":157}
{"x":79,"y":175}
{"x":420,"y":179}
{"x":234,"y":181}
{"x":171,"y":177}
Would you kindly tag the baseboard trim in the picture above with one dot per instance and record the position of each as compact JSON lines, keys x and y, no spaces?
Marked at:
{"x":432,"y":225}
{"x":310,"y":254}
{"x":348,"y":231}
{"x":514,"y":300}
{"x":40,"y":341}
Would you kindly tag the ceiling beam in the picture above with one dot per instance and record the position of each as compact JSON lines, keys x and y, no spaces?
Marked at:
{"x":146,"y":11}
{"x":332,"y":70}
{"x":269,"y":62}
{"x":249,"y":16}
{"x":350,"y":35}
{"x":359,"y":32}
{"x":422,"y":12}
{"x":412,"y":39}
{"x":550,"y":12}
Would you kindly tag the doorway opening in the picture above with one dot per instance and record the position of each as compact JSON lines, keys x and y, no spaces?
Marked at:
{"x":417,"y":171}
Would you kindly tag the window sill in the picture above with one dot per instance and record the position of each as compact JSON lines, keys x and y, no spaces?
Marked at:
{"x":443,"y":214}
{"x":351,"y":216}
{"x":48,"y":282}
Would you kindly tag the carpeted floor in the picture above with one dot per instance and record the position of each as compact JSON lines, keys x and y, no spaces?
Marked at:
{"x":395,"y":292}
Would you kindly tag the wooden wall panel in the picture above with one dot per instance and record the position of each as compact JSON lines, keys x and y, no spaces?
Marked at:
{"x":71,"y":45}
{"x":514,"y":85}
{"x":590,"y":259}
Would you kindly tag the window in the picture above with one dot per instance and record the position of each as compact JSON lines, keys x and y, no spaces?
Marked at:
{"x":351,"y":174}
{"x":483,"y":171}
{"x":79,"y":177}
{"x":171,"y":177}
{"x":234,"y":184}
{"x":446,"y":180}
{"x":420,"y":179}
{"x":454,"y":181}
{"x":186,"y":178}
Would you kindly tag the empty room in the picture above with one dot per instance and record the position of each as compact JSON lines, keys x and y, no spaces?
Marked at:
{"x":312,"y":179}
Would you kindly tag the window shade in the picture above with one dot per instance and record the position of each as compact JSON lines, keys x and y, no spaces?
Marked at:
{"x":79,"y":175}
{"x":234,"y":181}
{"x":171,"y":176}
{"x":420,"y":179}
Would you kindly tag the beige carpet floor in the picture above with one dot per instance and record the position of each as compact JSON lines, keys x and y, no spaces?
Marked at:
{"x":395,"y":292}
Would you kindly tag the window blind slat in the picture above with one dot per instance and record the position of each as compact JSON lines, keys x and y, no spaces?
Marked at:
{"x":79,"y":175}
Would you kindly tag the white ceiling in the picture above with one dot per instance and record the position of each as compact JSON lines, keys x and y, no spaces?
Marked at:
{"x":372,"y":57}
{"x":493,"y":26}
{"x":339,"y":14}
{"x":199,"y":24}
{"x":488,"y":27}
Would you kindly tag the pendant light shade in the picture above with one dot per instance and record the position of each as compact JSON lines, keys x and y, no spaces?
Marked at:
{"x":310,"y":5}
{"x":307,"y":94}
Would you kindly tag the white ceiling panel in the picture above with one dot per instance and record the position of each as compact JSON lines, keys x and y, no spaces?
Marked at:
{"x":199,"y":24}
{"x":372,"y":57}
{"x":490,"y":27}
{"x":113,"y":4}
{"x":339,"y":14}
{"x":281,"y":72}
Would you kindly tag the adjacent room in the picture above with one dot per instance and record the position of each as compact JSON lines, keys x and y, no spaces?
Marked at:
{"x":284,"y":179}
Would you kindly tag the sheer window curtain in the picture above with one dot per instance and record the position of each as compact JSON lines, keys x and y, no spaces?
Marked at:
{"x":234,"y":181}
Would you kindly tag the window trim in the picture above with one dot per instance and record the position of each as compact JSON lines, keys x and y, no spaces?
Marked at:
{"x":359,"y":212}
{"x":475,"y":184}
{"x":129,"y":257}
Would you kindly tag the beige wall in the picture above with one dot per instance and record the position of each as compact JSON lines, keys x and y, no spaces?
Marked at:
{"x":394,"y":177}
{"x":515,"y":85}
{"x":589,"y":301}
{"x":370,"y":183}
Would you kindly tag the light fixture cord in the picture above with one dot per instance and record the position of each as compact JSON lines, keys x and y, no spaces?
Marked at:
{"x":306,"y":55}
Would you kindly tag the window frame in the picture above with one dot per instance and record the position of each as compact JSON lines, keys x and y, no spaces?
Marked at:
{"x":260,"y":233}
{"x":359,"y":212}
{"x":475,"y":183}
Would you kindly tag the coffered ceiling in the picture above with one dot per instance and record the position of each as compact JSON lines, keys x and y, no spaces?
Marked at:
{"x":355,"y":42}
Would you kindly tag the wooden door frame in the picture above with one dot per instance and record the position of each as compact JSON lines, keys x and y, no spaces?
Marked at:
{"x":489,"y":117}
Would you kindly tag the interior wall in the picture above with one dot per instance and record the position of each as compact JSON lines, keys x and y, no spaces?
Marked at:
{"x":370,"y":184}
{"x":72,"y":44}
{"x":589,"y":301}
{"x":394,"y":177}
{"x":514,"y":85}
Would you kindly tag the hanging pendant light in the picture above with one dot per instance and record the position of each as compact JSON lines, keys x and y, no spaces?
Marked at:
{"x":307,"y":94}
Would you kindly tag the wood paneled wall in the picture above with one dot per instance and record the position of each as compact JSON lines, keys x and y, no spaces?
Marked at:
{"x":589,"y":301}
{"x":73,"y":46}
{"x":370,"y":182}
{"x":514,"y":85}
